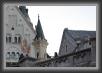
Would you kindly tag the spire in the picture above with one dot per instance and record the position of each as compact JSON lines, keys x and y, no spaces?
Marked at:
{"x":39,"y":30}
{"x":38,"y":16}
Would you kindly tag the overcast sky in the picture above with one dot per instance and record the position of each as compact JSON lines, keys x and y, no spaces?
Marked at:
{"x":55,"y":18}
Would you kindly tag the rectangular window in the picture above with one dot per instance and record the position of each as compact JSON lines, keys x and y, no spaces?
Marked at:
{"x":6,"y":39}
{"x":9,"y":39}
{"x":19,"y":39}
{"x":37,"y":54}
{"x":15,"y":39}
{"x":89,"y":43}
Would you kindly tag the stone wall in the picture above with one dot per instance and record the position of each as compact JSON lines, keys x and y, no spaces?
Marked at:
{"x":76,"y":59}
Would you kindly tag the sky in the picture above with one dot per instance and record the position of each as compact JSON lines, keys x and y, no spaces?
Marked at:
{"x":55,"y":18}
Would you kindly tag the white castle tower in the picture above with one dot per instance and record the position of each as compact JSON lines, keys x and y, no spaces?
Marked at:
{"x":40,"y":43}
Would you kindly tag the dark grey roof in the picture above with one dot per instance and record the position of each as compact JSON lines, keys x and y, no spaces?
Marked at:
{"x":39,"y":30}
{"x":70,"y":37}
{"x":80,"y":33}
{"x":24,"y":10}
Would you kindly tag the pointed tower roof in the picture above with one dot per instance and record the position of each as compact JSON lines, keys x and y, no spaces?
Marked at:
{"x":39,"y":30}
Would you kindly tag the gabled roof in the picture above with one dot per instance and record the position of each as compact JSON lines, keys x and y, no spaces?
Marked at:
{"x":81,"y":34}
{"x":39,"y":30}
{"x":71,"y":36}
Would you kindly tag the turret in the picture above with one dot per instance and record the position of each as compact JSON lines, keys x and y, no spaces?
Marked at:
{"x":40,"y":43}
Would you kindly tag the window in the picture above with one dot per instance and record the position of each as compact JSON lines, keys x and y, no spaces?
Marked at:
{"x":13,"y":55}
{"x":19,"y":39}
{"x":18,"y":55}
{"x":37,"y":54}
{"x":8,"y":55}
{"x":6,"y":39}
{"x":89,"y":43}
{"x":12,"y":28}
{"x":66,"y":46}
{"x":9,"y":39}
{"x":15,"y":39}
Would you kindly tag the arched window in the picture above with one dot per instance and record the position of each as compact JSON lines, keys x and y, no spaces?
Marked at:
{"x":8,"y":55}
{"x":13,"y":55}
{"x":18,"y":55}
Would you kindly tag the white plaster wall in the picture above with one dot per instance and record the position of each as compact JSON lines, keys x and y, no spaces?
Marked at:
{"x":20,"y":27}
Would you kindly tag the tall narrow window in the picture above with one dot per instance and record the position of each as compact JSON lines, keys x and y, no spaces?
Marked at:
{"x":89,"y":43}
{"x":13,"y":55}
{"x":15,"y":39}
{"x":9,"y":39}
{"x":6,"y":39}
{"x":19,"y":39}
{"x":37,"y":54}
{"x":18,"y":55}
{"x":8,"y":55}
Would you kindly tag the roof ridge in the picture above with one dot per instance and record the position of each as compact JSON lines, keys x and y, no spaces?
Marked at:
{"x":83,"y":30}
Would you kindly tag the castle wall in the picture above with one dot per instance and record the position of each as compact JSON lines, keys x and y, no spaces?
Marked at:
{"x":78,"y":59}
{"x":16,"y":29}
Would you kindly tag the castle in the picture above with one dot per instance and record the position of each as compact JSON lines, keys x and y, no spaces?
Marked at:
{"x":26,"y":46}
